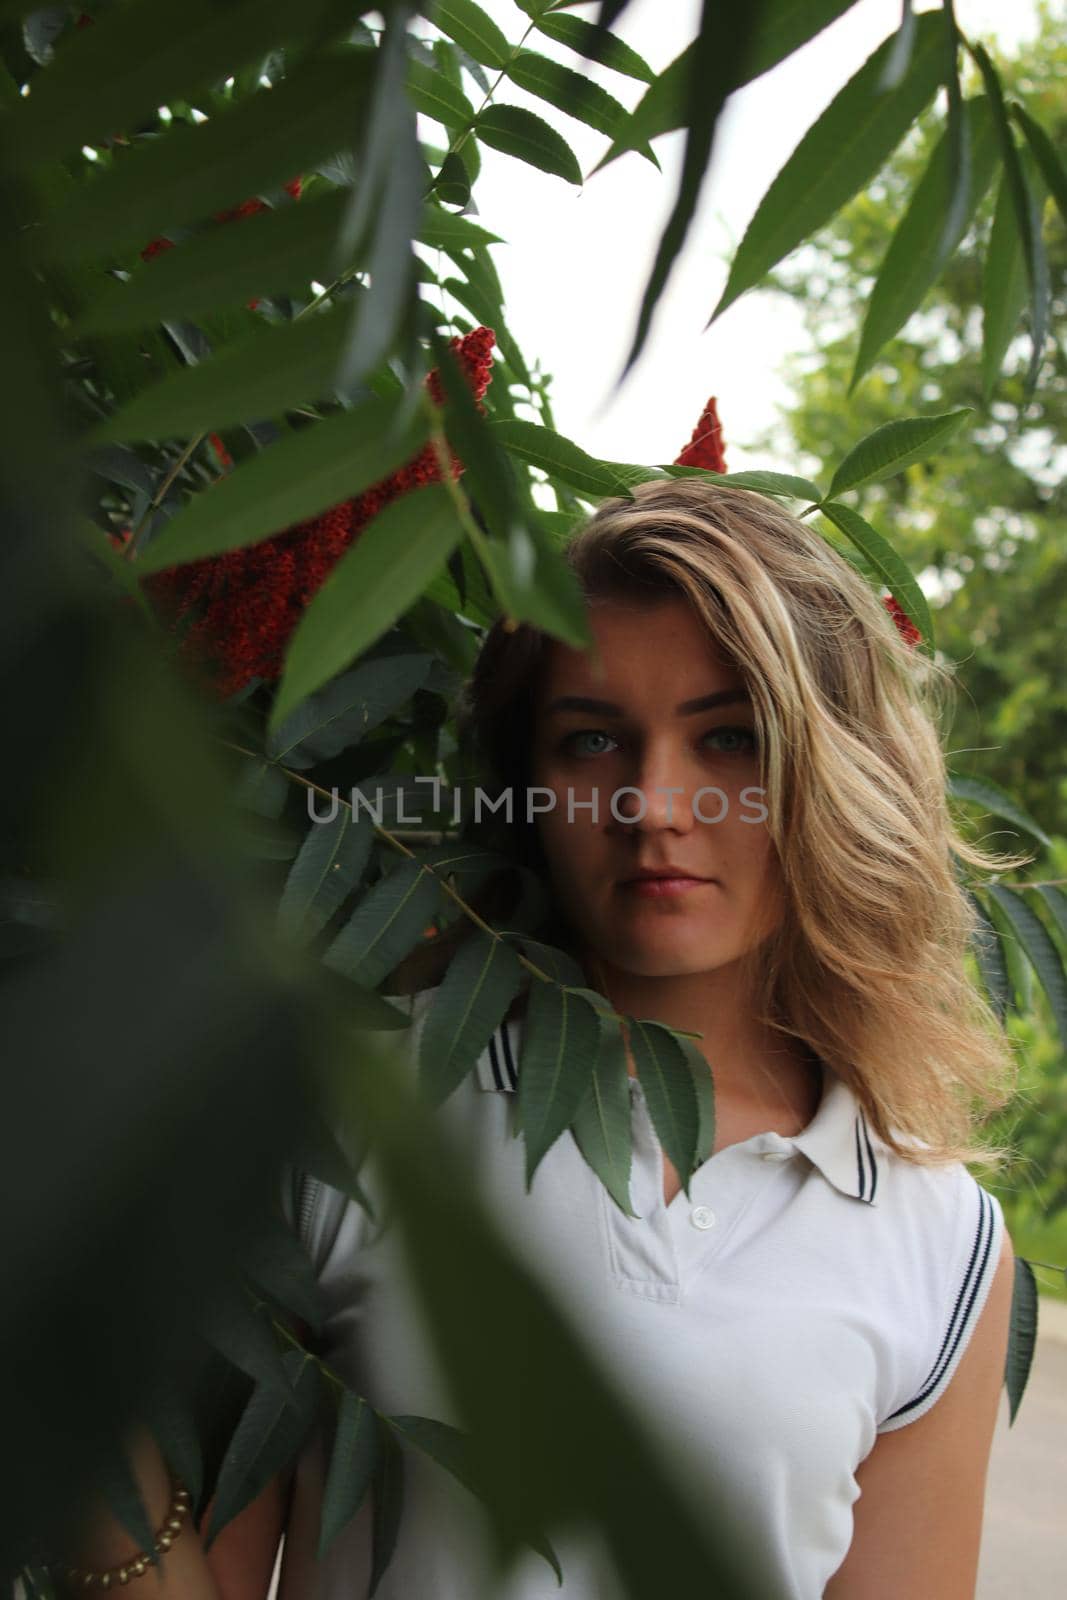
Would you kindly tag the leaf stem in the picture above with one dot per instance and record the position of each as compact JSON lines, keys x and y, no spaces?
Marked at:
{"x":461,"y":505}
{"x":461,"y":138}
{"x":1051,"y":1265}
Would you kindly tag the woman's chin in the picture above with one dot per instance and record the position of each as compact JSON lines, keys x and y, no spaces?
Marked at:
{"x":664,"y":957}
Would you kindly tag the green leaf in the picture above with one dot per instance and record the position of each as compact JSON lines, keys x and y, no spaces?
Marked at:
{"x":717,"y":60}
{"x":559,"y":457}
{"x":1004,"y":281}
{"x":263,"y":840}
{"x":551,"y":597}
{"x":451,"y":1449}
{"x":526,"y":576}
{"x":704,"y":1084}
{"x":661,"y":109}
{"x":170,"y":1420}
{"x":327,"y":869}
{"x":1022,"y":1335}
{"x":318,"y":1153}
{"x":775,"y":483}
{"x":116,"y":1478}
{"x":1039,"y":947}
{"x":191,"y":171}
{"x":278,"y":1264}
{"x":373,"y":584}
{"x":784,"y":25}
{"x":268,"y":1437}
{"x":903,"y":40}
{"x":1056,"y":901}
{"x":989,"y":956}
{"x":895,"y":573}
{"x":354,"y":1459}
{"x":847,"y":145}
{"x":99,"y":547}
{"x":670,"y":1091}
{"x":276,"y":370}
{"x":596,"y":45}
{"x":1027,"y":215}
{"x":468,"y":25}
{"x":453,"y":182}
{"x":223,"y":267}
{"x":432,"y":94}
{"x":301,"y":476}
{"x":570,"y":92}
{"x":489,"y":472}
{"x":983,"y":792}
{"x":601,"y":1126}
{"x":386,"y":925}
{"x":894,"y":446}
{"x":559,"y":965}
{"x":523,"y":134}
{"x":1003,"y":288}
{"x":481,"y":981}
{"x":133,"y":59}
{"x":444,"y":230}
{"x":390,"y":301}
{"x":348,"y":709}
{"x":560,"y":1040}
{"x":1044,"y":155}
{"x":1020,"y":974}
{"x":238,"y":1329}
{"x":958,"y":134}
{"x":388,"y":1501}
{"x":914,"y":259}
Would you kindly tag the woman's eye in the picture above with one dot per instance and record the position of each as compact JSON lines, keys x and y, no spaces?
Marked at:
{"x":570,"y":743}
{"x":733,"y":734}
{"x":739,"y":740}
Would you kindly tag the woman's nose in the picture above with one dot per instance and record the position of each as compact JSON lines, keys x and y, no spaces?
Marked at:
{"x":656,"y":795}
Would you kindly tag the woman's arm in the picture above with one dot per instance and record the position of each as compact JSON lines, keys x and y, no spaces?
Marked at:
{"x":918,"y":1521}
{"x":182,"y":1571}
{"x":242,"y":1558}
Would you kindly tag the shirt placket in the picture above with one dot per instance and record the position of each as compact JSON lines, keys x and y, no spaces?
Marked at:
{"x":641,"y":1249}
{"x":720,"y":1194}
{"x":655,"y":1252}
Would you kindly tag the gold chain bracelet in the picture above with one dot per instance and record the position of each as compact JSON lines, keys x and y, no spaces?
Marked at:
{"x":136,"y":1566}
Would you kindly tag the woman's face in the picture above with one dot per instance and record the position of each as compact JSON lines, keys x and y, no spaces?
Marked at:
{"x":645,"y":724}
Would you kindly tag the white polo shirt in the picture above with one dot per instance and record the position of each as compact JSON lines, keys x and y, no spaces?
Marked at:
{"x":810,"y":1293}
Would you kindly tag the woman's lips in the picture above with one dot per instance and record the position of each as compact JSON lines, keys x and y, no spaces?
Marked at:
{"x":653,"y":887}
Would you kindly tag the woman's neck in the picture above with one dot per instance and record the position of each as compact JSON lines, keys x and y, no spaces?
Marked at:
{"x":754,"y":1066}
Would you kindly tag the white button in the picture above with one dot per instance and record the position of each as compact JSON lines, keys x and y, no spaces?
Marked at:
{"x":702,"y":1217}
{"x":776,"y":1155}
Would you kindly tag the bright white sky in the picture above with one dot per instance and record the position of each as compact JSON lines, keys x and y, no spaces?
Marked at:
{"x":576,"y":260}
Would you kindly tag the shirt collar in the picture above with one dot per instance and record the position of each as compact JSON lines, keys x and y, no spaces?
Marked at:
{"x":838,"y":1140}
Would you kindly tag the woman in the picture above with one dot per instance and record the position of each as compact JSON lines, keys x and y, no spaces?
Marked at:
{"x":820,"y":1328}
{"x":743,"y":829}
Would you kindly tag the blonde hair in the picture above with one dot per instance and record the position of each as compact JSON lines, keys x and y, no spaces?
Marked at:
{"x":867,"y":964}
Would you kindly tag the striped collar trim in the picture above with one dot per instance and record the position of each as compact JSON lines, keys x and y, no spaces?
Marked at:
{"x":838,"y":1140}
{"x":841,"y":1143}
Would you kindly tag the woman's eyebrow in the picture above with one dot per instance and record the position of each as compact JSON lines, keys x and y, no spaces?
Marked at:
{"x":607,"y":708}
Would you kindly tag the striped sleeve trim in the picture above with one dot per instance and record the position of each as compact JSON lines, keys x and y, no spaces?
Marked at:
{"x":973,"y":1289}
{"x":497,"y":1068}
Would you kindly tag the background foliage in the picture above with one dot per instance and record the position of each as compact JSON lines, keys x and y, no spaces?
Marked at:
{"x":258,"y":510}
{"x":985,"y":522}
